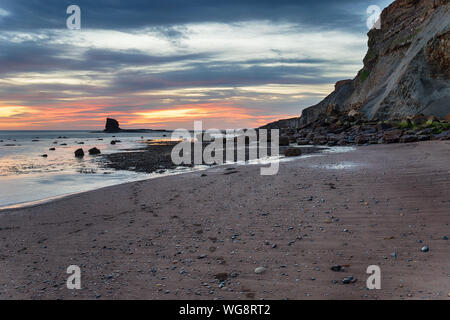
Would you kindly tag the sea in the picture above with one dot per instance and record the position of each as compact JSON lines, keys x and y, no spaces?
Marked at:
{"x":26,"y":177}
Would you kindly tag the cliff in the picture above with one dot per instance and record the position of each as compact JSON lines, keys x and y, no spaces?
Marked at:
{"x":406,"y":69}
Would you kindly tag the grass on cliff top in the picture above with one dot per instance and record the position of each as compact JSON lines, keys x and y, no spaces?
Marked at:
{"x":364,"y":75}
{"x":436,"y":126}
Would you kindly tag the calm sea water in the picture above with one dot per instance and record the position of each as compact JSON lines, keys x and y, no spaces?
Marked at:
{"x":26,"y":176}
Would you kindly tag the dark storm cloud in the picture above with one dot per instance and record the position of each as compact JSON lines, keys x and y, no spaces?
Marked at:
{"x":115,"y":14}
{"x":203,"y":75}
{"x":36,"y":56}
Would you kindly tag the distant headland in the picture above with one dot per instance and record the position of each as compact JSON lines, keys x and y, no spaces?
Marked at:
{"x":112,"y":126}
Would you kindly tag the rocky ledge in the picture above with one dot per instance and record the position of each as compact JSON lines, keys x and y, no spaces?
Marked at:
{"x":337,"y":128}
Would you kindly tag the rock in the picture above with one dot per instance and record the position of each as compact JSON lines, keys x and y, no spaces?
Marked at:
{"x":408,"y":138}
{"x":423,"y":137}
{"x":353,"y":113}
{"x":442,"y":136}
{"x":113,"y":142}
{"x":392,"y":136}
{"x":332,"y":108}
{"x":260,"y":270}
{"x":349,"y":280}
{"x":383,"y":126}
{"x":112,"y":126}
{"x":52,"y":149}
{"x":425,"y":249}
{"x":221,"y":276}
{"x":94,"y":151}
{"x":419,"y":119}
{"x":44,"y":156}
{"x":336,"y":268}
{"x":320,"y":140}
{"x":362,"y":139}
{"x":292,"y":152}
{"x":302,"y":142}
{"x":342,"y":83}
{"x":284,"y":141}
{"x":444,"y":238}
{"x":79,"y":153}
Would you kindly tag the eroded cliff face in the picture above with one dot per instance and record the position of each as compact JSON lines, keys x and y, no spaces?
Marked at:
{"x":406,"y":69}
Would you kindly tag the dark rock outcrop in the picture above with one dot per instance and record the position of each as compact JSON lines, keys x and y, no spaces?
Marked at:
{"x":292,"y":152}
{"x":406,"y":69}
{"x":79,"y":153}
{"x":112,"y":126}
{"x":94,"y":151}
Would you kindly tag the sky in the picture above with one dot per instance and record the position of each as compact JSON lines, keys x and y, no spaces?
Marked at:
{"x":162,"y":64}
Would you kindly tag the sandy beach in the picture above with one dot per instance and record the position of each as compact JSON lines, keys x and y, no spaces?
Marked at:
{"x":197,"y":236}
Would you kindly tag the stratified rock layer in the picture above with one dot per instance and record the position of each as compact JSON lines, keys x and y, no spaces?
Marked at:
{"x":406,"y":69}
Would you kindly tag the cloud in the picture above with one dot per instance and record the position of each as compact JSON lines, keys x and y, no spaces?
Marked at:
{"x":132,"y":59}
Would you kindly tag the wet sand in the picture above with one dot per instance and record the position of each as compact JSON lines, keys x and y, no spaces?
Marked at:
{"x":193,"y":236}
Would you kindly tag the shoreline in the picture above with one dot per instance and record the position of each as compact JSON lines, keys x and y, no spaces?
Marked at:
{"x":182,"y":236}
{"x":129,"y":155}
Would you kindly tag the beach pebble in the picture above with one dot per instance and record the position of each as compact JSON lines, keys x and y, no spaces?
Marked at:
{"x":425,"y":249}
{"x":260,"y":270}
{"x":348,"y":280}
{"x":79,"y":153}
{"x":94,"y":151}
{"x":336,"y":268}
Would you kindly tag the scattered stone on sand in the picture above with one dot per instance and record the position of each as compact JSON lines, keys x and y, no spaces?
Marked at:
{"x":337,"y":268}
{"x":79,"y":153}
{"x":260,"y":270}
{"x":425,"y":249}
{"x":44,"y":155}
{"x":52,"y":149}
{"x":284,"y":141}
{"x":349,"y":280}
{"x":292,"y":152}
{"x":94,"y":151}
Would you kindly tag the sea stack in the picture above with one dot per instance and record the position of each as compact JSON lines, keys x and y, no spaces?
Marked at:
{"x":112,"y":125}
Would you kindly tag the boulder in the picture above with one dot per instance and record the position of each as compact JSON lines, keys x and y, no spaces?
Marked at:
{"x":320,"y":140}
{"x":292,"y":152}
{"x":408,"y":138}
{"x":112,"y":125}
{"x":423,"y":137}
{"x":79,"y":153}
{"x":361,"y":139}
{"x":284,"y":141}
{"x":302,"y":142}
{"x":419,"y":119}
{"x":94,"y":151}
{"x":392,"y":136}
{"x":442,"y":136}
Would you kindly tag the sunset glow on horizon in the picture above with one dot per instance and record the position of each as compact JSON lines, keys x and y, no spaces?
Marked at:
{"x":158,"y":68}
